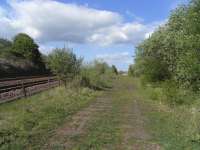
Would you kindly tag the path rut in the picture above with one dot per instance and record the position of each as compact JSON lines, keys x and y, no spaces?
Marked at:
{"x":134,"y":135}
{"x":76,"y":126}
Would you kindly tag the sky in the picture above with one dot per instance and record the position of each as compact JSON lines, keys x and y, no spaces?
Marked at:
{"x":107,"y":30}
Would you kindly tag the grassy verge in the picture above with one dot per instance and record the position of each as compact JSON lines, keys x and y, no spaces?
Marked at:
{"x":26,"y":123}
{"x":174,"y":127}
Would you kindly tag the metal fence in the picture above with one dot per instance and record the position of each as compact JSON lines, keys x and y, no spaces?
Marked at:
{"x":14,"y":88}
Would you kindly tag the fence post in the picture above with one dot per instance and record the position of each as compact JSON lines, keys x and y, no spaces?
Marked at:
{"x":23,"y":88}
{"x":48,"y":82}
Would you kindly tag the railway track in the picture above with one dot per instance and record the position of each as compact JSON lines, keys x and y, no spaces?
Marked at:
{"x":14,"y":88}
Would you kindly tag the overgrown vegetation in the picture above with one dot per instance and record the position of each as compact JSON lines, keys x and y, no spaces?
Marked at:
{"x":96,"y":75}
{"x":64,"y":64}
{"x":174,"y":128}
{"x":168,"y":65}
{"x":31,"y":125}
{"x":21,"y":57}
{"x":170,"y":58}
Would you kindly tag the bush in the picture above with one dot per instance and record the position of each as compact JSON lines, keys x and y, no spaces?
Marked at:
{"x":64,"y":63}
{"x":96,"y":75}
{"x":170,"y":57}
{"x":175,"y":95}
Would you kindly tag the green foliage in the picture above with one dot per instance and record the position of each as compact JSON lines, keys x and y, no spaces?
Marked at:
{"x":5,"y":47}
{"x":20,"y":57}
{"x":172,"y":53}
{"x":131,"y":71}
{"x":24,"y":46}
{"x":64,"y":64}
{"x":100,"y":67}
{"x":4,"y":44}
{"x":114,"y":69}
{"x":174,"y":127}
{"x":30,"y":126}
{"x":96,"y":75}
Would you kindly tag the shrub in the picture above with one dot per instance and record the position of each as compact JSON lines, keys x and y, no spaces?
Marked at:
{"x":171,"y":55}
{"x":96,"y":75}
{"x":64,"y":63}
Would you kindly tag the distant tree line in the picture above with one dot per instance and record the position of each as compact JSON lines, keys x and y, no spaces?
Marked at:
{"x":69,"y":68}
{"x":21,"y":57}
{"x":172,"y":53}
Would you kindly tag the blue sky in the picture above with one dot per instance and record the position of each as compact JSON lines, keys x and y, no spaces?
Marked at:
{"x":96,"y":29}
{"x":148,"y":10}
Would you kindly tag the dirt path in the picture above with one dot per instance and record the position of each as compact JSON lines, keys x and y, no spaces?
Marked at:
{"x":135,"y":136}
{"x":63,"y":136}
{"x":114,"y":121}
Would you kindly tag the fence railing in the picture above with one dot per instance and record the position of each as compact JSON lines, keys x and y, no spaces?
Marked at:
{"x":14,"y":88}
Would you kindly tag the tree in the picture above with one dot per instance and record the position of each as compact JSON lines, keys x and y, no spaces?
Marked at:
{"x":5,"y":46}
{"x":64,"y":63}
{"x":114,"y":69}
{"x":172,"y":52}
{"x":25,"y":47}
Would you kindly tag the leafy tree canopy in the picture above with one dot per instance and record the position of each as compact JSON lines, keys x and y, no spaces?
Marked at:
{"x":173,"y":51}
{"x":24,"y":46}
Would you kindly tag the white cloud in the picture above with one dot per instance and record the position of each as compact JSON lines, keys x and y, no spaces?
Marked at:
{"x":116,"y":58}
{"x":128,"y":33}
{"x":48,"y":20}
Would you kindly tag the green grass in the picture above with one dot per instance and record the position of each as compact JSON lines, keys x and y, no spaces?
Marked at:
{"x":174,"y":128}
{"x":104,"y":130}
{"x":27,"y":123}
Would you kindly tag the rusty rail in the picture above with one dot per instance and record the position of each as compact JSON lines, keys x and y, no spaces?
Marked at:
{"x":14,"y":88}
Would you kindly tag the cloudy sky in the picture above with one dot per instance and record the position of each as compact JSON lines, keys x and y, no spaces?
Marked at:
{"x":95,"y":29}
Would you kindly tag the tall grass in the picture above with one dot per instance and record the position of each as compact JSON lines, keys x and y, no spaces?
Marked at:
{"x":174,"y":125}
{"x":26,"y":123}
